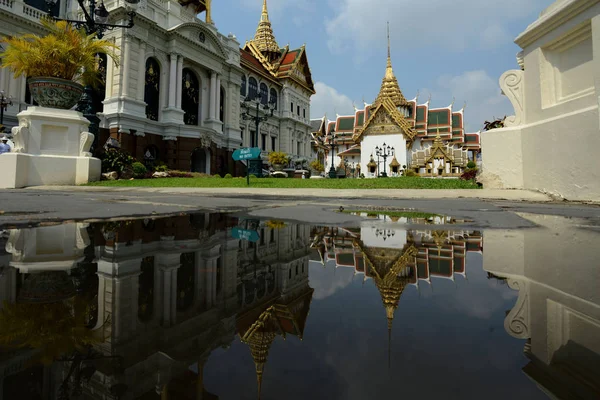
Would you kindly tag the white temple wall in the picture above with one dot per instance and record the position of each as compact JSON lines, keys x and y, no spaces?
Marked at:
{"x":368,"y":144}
{"x":548,"y":144}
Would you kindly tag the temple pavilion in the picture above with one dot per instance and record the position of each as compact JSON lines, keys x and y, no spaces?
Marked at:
{"x":430,"y":141}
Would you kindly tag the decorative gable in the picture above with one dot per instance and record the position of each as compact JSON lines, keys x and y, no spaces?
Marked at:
{"x":386,"y":119}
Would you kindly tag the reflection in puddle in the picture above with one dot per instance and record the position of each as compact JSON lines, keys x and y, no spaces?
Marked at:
{"x":198,"y":307}
{"x":407,"y":217}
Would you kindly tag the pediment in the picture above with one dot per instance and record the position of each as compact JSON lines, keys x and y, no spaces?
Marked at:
{"x":201,"y":37}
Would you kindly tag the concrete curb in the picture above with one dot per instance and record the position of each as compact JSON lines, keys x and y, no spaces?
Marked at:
{"x":483,"y":194}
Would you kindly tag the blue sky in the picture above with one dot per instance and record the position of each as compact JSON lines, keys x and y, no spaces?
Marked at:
{"x":444,"y":48}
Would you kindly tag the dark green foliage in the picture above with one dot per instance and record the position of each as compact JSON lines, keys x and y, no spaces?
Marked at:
{"x":228,"y":176}
{"x":139,"y":170}
{"x":116,"y":160}
{"x":471,"y":164}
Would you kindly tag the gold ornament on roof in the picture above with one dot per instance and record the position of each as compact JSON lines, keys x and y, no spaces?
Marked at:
{"x":264,"y":39}
{"x":389,"y":86}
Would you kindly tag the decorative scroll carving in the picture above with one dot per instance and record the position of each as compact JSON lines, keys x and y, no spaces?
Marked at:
{"x":20,"y":136}
{"x":82,"y":239}
{"x":85,"y":142}
{"x":511,"y":83}
{"x":516,"y":322}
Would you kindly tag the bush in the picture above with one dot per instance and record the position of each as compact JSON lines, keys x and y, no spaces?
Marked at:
{"x":278,"y":157}
{"x":471,"y":164}
{"x":362,"y":176}
{"x":139,"y":169}
{"x":116,"y":160}
{"x":252,"y":176}
{"x":228,"y":176}
{"x":161,"y":168}
{"x":410,"y":172}
{"x":216,"y":176}
{"x":180,"y":174}
{"x":317,"y":166}
{"x":469,"y":175}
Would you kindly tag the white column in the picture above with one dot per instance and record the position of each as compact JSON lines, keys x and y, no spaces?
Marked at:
{"x":141,"y":78}
{"x":110,"y":73}
{"x":218,"y":98}
{"x":125,"y":65}
{"x":172,"y":80}
{"x":179,"y":81}
{"x":212,"y":99}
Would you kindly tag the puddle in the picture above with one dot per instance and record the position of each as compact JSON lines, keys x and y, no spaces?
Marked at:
{"x":211,"y":306}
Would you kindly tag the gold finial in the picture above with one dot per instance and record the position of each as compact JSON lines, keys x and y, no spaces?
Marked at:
{"x":389,"y":86}
{"x":264,"y":38}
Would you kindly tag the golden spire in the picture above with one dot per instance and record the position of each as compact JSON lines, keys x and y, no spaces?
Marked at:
{"x":389,"y":86}
{"x":264,"y":38}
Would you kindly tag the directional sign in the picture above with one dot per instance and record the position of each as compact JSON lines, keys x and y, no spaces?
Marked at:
{"x":247,"y":153}
{"x":245,"y":234}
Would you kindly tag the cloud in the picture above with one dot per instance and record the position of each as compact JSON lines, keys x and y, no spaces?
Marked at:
{"x":452,"y":25}
{"x":329,"y":100}
{"x":480,"y":91}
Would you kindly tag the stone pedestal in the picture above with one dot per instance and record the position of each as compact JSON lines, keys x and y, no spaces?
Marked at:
{"x":51,"y":148}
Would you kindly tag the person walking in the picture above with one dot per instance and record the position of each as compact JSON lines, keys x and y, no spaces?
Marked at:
{"x":4,"y":147}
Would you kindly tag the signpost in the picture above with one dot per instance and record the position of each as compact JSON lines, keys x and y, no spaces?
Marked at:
{"x":246,"y":153}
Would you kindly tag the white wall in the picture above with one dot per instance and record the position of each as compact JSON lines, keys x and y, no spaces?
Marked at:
{"x":368,"y":145}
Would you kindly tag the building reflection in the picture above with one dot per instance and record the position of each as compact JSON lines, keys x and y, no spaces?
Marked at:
{"x":133,"y":309}
{"x":394,"y":257}
{"x":557,"y":313}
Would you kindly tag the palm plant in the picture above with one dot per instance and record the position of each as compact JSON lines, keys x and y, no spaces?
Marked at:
{"x":65,"y":53}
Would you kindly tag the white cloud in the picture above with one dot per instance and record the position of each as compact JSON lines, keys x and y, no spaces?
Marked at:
{"x":481,"y":93}
{"x":329,"y":100}
{"x":453,"y":25}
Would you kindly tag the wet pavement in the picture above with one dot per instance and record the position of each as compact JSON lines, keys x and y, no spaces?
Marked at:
{"x":296,"y":299}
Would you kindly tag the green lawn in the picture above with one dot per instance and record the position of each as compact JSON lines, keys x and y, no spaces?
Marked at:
{"x":376,"y":183}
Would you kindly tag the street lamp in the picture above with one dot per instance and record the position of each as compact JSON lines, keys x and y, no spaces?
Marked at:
{"x":4,"y":103}
{"x":96,"y":17}
{"x":332,"y":145}
{"x":255,"y":166}
{"x":385,"y":152}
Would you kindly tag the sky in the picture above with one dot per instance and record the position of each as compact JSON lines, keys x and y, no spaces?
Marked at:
{"x":444,"y":49}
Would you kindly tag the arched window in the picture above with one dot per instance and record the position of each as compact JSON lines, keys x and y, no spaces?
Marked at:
{"x":190,"y":97}
{"x":152,"y":89}
{"x":252,"y":88}
{"x":243,"y":87}
{"x":222,"y":106}
{"x":264,"y":93}
{"x":273,"y":98}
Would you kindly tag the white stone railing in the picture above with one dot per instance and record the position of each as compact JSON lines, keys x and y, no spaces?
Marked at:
{"x":22,"y":9}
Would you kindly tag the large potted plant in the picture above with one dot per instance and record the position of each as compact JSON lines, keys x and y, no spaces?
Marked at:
{"x":316,"y":167}
{"x":57,"y":64}
{"x":278,"y":159}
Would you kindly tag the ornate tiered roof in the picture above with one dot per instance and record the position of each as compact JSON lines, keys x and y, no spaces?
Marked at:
{"x":390,"y":89}
{"x":264,"y":39}
{"x":281,"y":63}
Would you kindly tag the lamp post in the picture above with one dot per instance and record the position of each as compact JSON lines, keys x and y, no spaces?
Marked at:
{"x":384,"y":152}
{"x":95,"y":21}
{"x":332,"y":145}
{"x":4,"y":103}
{"x":255,"y":166}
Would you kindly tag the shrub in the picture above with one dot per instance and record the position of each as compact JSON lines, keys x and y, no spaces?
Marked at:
{"x":410,"y":172}
{"x":161,"y":168}
{"x":116,"y":160}
{"x":471,"y":164}
{"x":139,"y":169}
{"x":278,"y":157}
{"x":180,"y":174}
{"x":362,"y":176}
{"x":469,"y":175}
{"x":252,"y":176}
{"x":216,"y":176}
{"x":317,"y":166}
{"x":228,"y":176}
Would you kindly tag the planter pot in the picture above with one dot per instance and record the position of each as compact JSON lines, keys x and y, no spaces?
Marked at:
{"x":278,"y":167}
{"x":55,"y":92}
{"x":47,"y":287}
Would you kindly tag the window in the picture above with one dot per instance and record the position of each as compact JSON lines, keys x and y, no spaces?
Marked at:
{"x":264,"y":93}
{"x":273,"y":98}
{"x":263,"y":144}
{"x":272,"y":240}
{"x":222,"y":106}
{"x":152,"y":89}
{"x":262,"y":236}
{"x":190,"y":97}
{"x":291,"y":107}
{"x":252,"y":88}
{"x":304,"y":112}
{"x":273,"y":143}
{"x":297,"y":110}
{"x":243,"y":87}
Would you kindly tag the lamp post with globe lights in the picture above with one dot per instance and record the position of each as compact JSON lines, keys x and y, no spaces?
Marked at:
{"x":255,"y":166}
{"x":384,"y":152}
{"x":95,"y":22}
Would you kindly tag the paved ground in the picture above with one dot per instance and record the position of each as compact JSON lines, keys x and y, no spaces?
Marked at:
{"x":477,"y":208}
